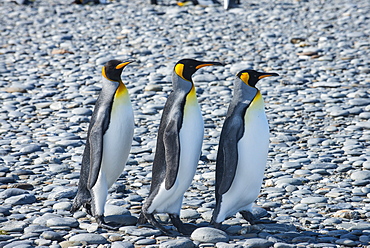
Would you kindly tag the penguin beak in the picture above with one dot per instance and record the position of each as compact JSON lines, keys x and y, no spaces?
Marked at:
{"x":120,"y":66}
{"x":263,"y":75}
{"x":207,"y":64}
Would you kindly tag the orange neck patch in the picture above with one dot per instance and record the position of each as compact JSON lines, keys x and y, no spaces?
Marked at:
{"x":191,"y":98}
{"x":121,"y":90}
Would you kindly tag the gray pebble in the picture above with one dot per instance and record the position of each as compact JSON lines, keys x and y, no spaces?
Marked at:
{"x":61,"y":222}
{"x":360,"y":175}
{"x":36,"y":229}
{"x":134,"y":231}
{"x":145,"y":241}
{"x":257,"y":243}
{"x":82,"y":111}
{"x":122,"y":244}
{"x":61,"y":192}
{"x":90,"y":238}
{"x":13,"y":226}
{"x":19,"y":244}
{"x":209,"y":235}
{"x":30,"y":149}
{"x":115,"y":210}
{"x":177,"y":243}
{"x":21,"y":199}
{"x":50,"y":235}
{"x":12,"y":192}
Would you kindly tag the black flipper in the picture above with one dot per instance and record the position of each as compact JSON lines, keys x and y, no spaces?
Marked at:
{"x":227,"y":156}
{"x":98,"y":127}
{"x":172,"y":150}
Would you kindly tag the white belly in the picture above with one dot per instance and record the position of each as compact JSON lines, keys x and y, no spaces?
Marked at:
{"x":226,"y":4}
{"x":117,"y":141}
{"x":252,"y":158}
{"x":191,"y":138}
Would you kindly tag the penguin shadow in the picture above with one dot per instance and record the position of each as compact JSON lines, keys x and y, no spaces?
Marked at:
{"x":258,"y":216}
{"x":256,"y":219}
{"x":170,"y":230}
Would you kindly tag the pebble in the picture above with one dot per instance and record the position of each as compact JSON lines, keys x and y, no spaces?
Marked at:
{"x":50,"y":235}
{"x":209,"y":235}
{"x":177,"y":243}
{"x":89,"y":238}
{"x":257,"y":243}
{"x":13,"y":226}
{"x":360,"y":175}
{"x":316,"y":178}
{"x":313,"y":200}
{"x":134,"y":231}
{"x":122,"y":244}
{"x":21,"y":199}
{"x":62,"y":222}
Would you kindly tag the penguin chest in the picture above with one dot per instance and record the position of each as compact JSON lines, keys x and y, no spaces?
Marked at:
{"x":253,"y":148}
{"x":117,"y":139}
{"x":252,"y":158}
{"x":191,"y":137}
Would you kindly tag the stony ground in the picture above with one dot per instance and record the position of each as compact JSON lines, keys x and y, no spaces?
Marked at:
{"x":316,"y":189}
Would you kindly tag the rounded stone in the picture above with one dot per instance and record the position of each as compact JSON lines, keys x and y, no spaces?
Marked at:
{"x":90,"y":238}
{"x":314,"y":200}
{"x":360,"y":175}
{"x":21,"y":199}
{"x":257,"y":243}
{"x":60,"y":222}
{"x":122,"y":244}
{"x":115,"y":210}
{"x":177,"y":243}
{"x":62,"y":206}
{"x":50,"y":235}
{"x":209,"y":235}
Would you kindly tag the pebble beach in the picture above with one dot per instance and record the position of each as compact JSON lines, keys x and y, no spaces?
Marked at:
{"x":316,"y":190}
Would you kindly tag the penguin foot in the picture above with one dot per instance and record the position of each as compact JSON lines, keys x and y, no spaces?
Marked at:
{"x":216,"y":225}
{"x":248,"y":216}
{"x":142,"y":219}
{"x":185,"y":229}
{"x":156,"y":224}
{"x":110,"y":226}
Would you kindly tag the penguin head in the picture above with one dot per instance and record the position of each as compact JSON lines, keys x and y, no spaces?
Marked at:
{"x":251,"y":77}
{"x":113,"y":68}
{"x":185,"y":68}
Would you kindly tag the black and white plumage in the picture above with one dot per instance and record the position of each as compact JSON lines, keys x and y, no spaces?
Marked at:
{"x":242,"y":151}
{"x":178,"y":149}
{"x":108,"y":143}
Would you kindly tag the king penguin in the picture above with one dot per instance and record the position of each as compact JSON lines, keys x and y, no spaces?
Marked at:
{"x":242,"y":151}
{"x":108,"y":143}
{"x":178,"y":148}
